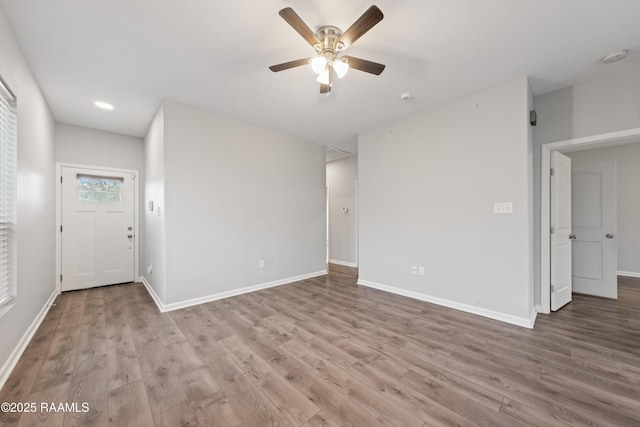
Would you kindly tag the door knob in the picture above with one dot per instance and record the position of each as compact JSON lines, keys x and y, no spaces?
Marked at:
{"x":572,"y":236}
{"x":609,"y":236}
{"x":129,"y":235}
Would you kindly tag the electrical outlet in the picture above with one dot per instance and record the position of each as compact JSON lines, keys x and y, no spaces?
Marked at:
{"x":150,"y":268}
{"x":420,"y":271}
{"x":261,"y":263}
{"x":414,"y":269}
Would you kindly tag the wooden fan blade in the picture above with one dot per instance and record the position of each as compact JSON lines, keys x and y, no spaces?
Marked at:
{"x":364,"y":65}
{"x":290,"y":64}
{"x":367,"y":21}
{"x":325,"y":88}
{"x":298,"y":24}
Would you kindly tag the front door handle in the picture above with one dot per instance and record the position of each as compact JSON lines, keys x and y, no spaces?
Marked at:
{"x":609,"y":236}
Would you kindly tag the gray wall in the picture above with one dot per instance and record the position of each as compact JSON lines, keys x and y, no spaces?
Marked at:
{"x":427,"y":187}
{"x":36,"y":198}
{"x":80,"y":145}
{"x":341,"y":179}
{"x":595,"y":107}
{"x":627,"y":159}
{"x":235,"y":194}
{"x":155,"y":233}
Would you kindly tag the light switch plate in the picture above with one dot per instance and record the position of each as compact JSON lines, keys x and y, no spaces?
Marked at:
{"x":503,"y":208}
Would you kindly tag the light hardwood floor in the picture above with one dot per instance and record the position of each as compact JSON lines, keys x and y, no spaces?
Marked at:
{"x":326,"y":352}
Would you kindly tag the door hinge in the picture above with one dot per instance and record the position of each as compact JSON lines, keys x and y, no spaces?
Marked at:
{"x":553,"y":288}
{"x":553,"y":171}
{"x":61,"y":229}
{"x":61,"y":278}
{"x":553,"y":230}
{"x":60,"y":180}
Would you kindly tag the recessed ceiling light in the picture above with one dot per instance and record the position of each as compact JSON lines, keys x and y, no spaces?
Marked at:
{"x":615,"y":57}
{"x":103,"y":105}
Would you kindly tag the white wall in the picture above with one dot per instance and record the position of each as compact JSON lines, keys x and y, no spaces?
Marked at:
{"x":86,"y":146}
{"x":427,"y":187}
{"x":590,"y":108}
{"x":154,"y":221}
{"x":36,"y":200}
{"x":627,"y":158}
{"x":80,"y":145}
{"x":236,"y":194}
{"x":342,"y":175}
{"x":595,"y":107}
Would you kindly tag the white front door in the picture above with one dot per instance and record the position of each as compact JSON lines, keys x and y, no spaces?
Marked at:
{"x":594,"y":217}
{"x":560,"y":230}
{"x":97,"y":228}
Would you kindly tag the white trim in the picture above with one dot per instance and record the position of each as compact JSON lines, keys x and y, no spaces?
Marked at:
{"x":152,"y":292}
{"x":136,"y":213}
{"x":345,"y":263}
{"x":629,"y":274}
{"x":532,"y":317}
{"x":15,"y":355}
{"x":328,"y":224}
{"x":357,"y":227}
{"x":496,"y":315}
{"x":595,"y":141}
{"x":221,"y":295}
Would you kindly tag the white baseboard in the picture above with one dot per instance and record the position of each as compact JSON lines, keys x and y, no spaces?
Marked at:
{"x":15,"y":355}
{"x":496,"y":315}
{"x":221,"y":295}
{"x":344,"y":263}
{"x":628,"y":274}
{"x":532,"y":318}
{"x":152,"y":292}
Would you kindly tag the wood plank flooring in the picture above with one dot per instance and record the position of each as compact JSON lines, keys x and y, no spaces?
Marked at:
{"x":326,"y":352}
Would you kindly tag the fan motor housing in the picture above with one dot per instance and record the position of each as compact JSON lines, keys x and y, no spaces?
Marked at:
{"x":328,"y":36}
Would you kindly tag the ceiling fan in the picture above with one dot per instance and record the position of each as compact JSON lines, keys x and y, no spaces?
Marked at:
{"x":329,"y":42}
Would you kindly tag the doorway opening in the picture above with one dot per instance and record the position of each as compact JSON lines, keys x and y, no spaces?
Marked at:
{"x":342,"y":211}
{"x":577,"y":144}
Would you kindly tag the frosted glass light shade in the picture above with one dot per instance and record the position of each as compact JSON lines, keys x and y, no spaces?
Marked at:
{"x":341,"y":68}
{"x":323,"y":78}
{"x":318,"y":64}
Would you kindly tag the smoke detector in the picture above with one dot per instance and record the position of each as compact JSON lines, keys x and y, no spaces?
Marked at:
{"x":615,"y":57}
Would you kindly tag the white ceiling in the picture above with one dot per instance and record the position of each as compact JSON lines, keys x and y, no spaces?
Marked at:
{"x":215,"y":55}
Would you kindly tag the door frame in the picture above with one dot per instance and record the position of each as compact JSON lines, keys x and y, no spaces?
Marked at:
{"x":357,"y":225}
{"x":576,"y":144}
{"x":327,"y":249}
{"x":136,"y":215}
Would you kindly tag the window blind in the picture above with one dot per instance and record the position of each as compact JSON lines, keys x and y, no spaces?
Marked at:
{"x":8,"y":193}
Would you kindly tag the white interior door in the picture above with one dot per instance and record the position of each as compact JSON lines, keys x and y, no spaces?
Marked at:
{"x":560,"y":230}
{"x":97,"y":228}
{"x":594,"y":217}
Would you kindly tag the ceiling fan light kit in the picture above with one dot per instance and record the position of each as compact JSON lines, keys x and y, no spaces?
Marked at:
{"x":329,"y":42}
